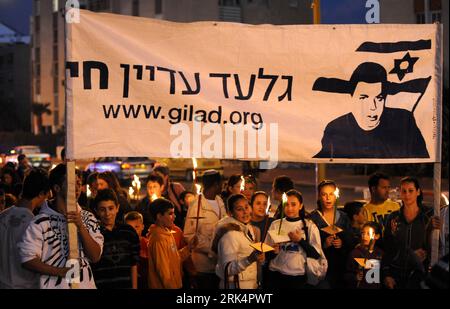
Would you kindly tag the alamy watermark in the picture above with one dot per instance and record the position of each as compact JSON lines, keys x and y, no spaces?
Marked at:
{"x":73,"y":274}
{"x":72,"y":12}
{"x":226,"y":141}
{"x":373,"y":273}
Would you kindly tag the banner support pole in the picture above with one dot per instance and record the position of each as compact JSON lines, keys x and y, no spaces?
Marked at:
{"x":71,"y":203}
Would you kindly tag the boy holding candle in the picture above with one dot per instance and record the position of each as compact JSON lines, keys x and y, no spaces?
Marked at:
{"x":367,"y":254}
{"x":165,"y":259}
{"x":155,"y":187}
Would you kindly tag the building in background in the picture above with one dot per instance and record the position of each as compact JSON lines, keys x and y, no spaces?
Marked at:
{"x":47,"y":34}
{"x":413,"y":12}
{"x":15,"y":90}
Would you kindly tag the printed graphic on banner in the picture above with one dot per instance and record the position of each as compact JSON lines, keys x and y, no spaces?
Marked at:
{"x":327,"y":93}
{"x":372,"y":130}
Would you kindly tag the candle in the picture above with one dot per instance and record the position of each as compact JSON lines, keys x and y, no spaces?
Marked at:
{"x":266,"y":224}
{"x":153,"y":197}
{"x":269,"y":211}
{"x":137,"y":185}
{"x":372,"y":238}
{"x":130,"y":192}
{"x":194,"y":171}
{"x":198,"y":206}
{"x":336,"y":193}
{"x":88,"y":191}
{"x":284,"y":201}
{"x":242,"y":184}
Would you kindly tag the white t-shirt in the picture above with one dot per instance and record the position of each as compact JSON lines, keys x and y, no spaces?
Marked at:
{"x":13,"y":223}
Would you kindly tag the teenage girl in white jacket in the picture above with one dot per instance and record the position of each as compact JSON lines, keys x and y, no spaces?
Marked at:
{"x":232,"y":243}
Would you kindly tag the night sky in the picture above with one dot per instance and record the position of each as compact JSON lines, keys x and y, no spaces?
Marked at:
{"x":16,"y":14}
{"x":343,"y":11}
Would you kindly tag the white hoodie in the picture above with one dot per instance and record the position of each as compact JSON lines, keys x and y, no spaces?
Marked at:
{"x":47,"y":238}
{"x":234,"y":248}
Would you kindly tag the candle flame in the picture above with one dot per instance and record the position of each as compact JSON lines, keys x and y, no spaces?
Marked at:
{"x":153,"y":197}
{"x":199,"y":188}
{"x":136,"y":183}
{"x":130,"y":191}
{"x":88,"y":191}
{"x":242,"y":183}
{"x":268,"y":206}
{"x":371,"y":233}
{"x":194,"y":171}
{"x":336,"y":192}
{"x":284,"y":198}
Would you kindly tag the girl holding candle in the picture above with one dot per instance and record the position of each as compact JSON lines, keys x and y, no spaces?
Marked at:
{"x":280,"y":185}
{"x":369,"y":254}
{"x":261,"y":219}
{"x":336,"y":246}
{"x":237,"y":261}
{"x":289,"y":267}
{"x":407,"y":238}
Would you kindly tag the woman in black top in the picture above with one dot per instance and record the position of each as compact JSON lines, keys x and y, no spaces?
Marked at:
{"x":407,"y":239}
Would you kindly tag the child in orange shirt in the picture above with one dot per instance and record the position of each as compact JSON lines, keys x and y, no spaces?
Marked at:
{"x":165,"y":259}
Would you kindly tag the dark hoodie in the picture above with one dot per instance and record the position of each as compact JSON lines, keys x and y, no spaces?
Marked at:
{"x":401,"y":240}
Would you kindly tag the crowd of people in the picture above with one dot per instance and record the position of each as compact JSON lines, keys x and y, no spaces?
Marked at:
{"x":229,"y":235}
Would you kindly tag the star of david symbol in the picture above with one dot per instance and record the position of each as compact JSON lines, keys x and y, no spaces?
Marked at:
{"x":404,"y":66}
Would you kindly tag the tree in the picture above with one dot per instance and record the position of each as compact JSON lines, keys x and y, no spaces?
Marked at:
{"x":38,"y":109}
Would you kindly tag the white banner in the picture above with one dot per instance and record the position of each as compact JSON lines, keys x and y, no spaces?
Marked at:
{"x":309,"y":93}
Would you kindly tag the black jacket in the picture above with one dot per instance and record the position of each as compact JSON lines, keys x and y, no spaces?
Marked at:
{"x":401,"y":239}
